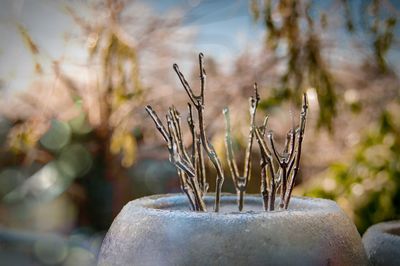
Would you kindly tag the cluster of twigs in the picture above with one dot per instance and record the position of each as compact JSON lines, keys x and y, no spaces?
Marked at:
{"x":288,"y":162}
{"x":278,"y":170}
{"x":191,"y":168}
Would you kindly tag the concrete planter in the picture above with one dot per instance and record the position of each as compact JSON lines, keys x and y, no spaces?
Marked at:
{"x":382,"y":243}
{"x":159,"y":230}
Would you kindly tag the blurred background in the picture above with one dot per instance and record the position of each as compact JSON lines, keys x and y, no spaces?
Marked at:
{"x":76,"y":143}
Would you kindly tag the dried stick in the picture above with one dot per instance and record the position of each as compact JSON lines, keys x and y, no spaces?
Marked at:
{"x":198,"y":102}
{"x":237,"y":181}
{"x":267,"y":157}
{"x":201,"y":165}
{"x":197,"y":154}
{"x":183,"y":163}
{"x":191,"y":169}
{"x":158,"y":123}
{"x":190,"y":122}
{"x":283,"y":168}
{"x":176,"y":121}
{"x":186,"y":171}
{"x":264,"y":182}
{"x":303,"y":119}
{"x":241,"y":182}
{"x":254,"y":100}
{"x":168,"y":138}
{"x":229,"y":149}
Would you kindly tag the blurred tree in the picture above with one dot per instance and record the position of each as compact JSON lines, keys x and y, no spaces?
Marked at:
{"x":367,"y":185}
{"x":85,"y":135}
{"x":295,"y":32}
{"x":302,"y":36}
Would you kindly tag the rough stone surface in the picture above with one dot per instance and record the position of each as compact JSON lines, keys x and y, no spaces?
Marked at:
{"x":382,"y":243}
{"x":160,"y":230}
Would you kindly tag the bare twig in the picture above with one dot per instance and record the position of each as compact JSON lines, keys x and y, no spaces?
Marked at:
{"x":267,"y":160}
{"x":303,"y":119}
{"x":168,"y":138}
{"x":229,"y":149}
{"x":158,"y":123}
{"x":238,"y":181}
{"x":283,"y":168}
{"x":201,"y":165}
{"x":263,"y":165}
{"x":192,"y":131}
{"x":253,"y":109}
{"x":184,"y":164}
{"x":197,"y":154}
{"x":185,"y":84}
{"x":175,"y":119}
{"x":198,"y":102}
{"x":179,"y":157}
{"x":241,"y":182}
{"x":191,"y":169}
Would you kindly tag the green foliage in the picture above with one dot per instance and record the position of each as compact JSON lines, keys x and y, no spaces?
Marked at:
{"x":383,"y":41}
{"x":368,"y":185}
{"x":123,"y":88}
{"x":294,"y":26}
{"x":278,"y":95}
{"x":119,"y":89}
{"x":305,"y":66}
{"x":90,"y":148}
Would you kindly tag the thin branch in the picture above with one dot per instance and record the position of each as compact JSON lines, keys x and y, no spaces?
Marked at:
{"x":167,"y":135}
{"x":202,"y":167}
{"x":253,"y":109}
{"x":290,"y":155}
{"x":241,"y":182}
{"x":238,"y":181}
{"x":202,"y":77}
{"x":292,"y":134}
{"x":183,"y":163}
{"x":267,"y":157}
{"x":283,"y":168}
{"x":186,"y":190}
{"x":286,"y":146}
{"x":229,"y":149}
{"x":192,"y":131}
{"x":270,"y":136}
{"x":198,"y":102}
{"x":186,"y":172}
{"x":185,"y":84}
{"x":175,"y":118}
{"x":263,"y":164}
{"x":264,"y":185}
{"x":197,"y":154}
{"x":264,"y":126}
{"x":157,"y":122}
{"x":191,"y":169}
{"x":303,"y":119}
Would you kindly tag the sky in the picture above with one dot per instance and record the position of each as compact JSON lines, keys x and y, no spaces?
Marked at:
{"x":224,"y":28}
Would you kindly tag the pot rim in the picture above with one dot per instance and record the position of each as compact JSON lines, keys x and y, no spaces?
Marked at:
{"x":177,"y":204}
{"x":390,"y":229}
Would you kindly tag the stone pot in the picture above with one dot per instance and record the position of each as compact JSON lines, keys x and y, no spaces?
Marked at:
{"x":160,"y":230}
{"x":382,"y":243}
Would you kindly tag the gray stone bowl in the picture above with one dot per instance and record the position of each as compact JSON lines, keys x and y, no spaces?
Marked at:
{"x":161,"y":230}
{"x":382,"y":243}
